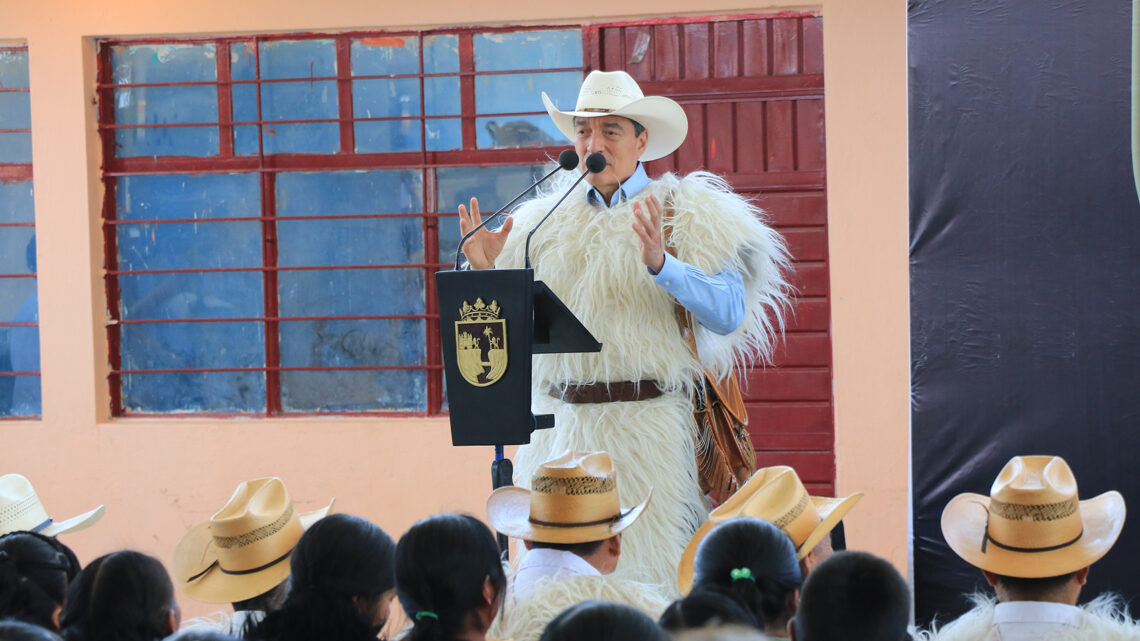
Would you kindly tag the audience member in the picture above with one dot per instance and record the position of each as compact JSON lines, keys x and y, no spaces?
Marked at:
{"x":721,"y":633}
{"x":602,"y":621}
{"x":341,"y":584}
{"x":35,"y":571}
{"x":708,"y":606}
{"x":20,"y":509}
{"x":21,"y":631}
{"x":755,"y":562}
{"x":200,"y":634}
{"x":853,"y":596}
{"x":122,"y":596}
{"x":1034,"y":541}
{"x":449,"y":578}
{"x":778,"y":495}
{"x":241,"y":554}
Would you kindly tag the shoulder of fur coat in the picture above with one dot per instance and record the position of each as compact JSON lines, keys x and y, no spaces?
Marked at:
{"x":525,"y":620}
{"x":1106,"y":618}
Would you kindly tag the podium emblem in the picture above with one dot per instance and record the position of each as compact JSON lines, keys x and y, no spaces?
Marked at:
{"x":481,"y":343}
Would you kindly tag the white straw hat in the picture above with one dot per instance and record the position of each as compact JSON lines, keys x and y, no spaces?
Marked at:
{"x":20,"y":509}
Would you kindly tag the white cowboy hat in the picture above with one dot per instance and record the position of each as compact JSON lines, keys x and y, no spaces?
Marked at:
{"x":1032,"y":525}
{"x":615,"y":93}
{"x":20,"y":509}
{"x":777,"y":495}
{"x":244,"y":549}
{"x":574,"y":500}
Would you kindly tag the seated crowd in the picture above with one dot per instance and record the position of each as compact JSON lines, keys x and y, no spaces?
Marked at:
{"x":763,"y":566}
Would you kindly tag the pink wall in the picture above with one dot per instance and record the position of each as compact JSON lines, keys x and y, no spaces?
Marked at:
{"x":157,"y":477}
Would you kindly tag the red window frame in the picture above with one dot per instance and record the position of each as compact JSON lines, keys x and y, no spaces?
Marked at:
{"x":16,"y":172}
{"x":269,"y":165}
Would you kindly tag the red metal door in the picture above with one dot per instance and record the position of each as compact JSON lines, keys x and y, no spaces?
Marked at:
{"x":752,"y":87}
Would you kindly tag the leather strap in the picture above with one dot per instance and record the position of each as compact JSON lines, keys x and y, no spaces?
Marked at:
{"x":606,"y":392}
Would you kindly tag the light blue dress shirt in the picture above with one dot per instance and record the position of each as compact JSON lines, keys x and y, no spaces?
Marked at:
{"x":717,"y":301}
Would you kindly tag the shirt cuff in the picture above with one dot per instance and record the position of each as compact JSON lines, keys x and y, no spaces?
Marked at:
{"x":671,"y":272}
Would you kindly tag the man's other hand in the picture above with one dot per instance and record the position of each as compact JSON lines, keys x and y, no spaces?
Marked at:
{"x":484,"y":247}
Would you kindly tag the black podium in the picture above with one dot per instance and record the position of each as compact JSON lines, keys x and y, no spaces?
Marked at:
{"x":491,"y":322}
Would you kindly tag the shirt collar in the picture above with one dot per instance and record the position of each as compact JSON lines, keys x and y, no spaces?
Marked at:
{"x":628,"y":189}
{"x":1037,"y":612}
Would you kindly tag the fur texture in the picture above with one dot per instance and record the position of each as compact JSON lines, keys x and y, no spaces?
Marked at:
{"x":525,"y":620}
{"x":1106,"y":619}
{"x":590,"y":258}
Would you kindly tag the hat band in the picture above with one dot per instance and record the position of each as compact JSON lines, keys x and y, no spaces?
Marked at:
{"x":791,"y":515}
{"x":575,"y":486}
{"x":613,"y":519}
{"x":597,"y":110}
{"x":1011,"y":548}
{"x":1034,"y":512}
{"x":253,"y":536}
{"x":42,"y":526}
{"x":241,"y":572}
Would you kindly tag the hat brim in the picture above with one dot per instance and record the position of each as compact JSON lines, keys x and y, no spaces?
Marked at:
{"x":75,"y":523}
{"x":831,"y":511}
{"x":964,"y":527}
{"x":195,"y":556}
{"x":508,"y":510}
{"x":664,"y":119}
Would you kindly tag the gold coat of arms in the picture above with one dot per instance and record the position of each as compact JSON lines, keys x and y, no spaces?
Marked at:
{"x":481,"y":343}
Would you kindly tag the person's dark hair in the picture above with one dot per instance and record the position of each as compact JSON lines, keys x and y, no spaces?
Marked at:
{"x":21,"y":631}
{"x":637,"y":127}
{"x":339,"y":557}
{"x":1033,"y":589}
{"x":581,"y":549}
{"x":602,"y":621}
{"x":122,"y":596}
{"x":267,"y":601}
{"x":853,"y":596}
{"x":441,"y":565}
{"x":35,"y":571}
{"x":755,"y":562}
{"x":707,"y":606}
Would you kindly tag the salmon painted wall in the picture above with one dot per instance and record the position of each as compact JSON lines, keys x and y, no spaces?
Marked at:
{"x":157,"y":477}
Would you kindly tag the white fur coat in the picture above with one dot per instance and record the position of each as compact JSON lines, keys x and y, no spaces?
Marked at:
{"x":1105,"y":619}
{"x":590,"y":258}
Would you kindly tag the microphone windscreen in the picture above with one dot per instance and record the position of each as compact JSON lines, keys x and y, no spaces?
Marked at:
{"x":595,"y":162}
{"x":568,"y":159}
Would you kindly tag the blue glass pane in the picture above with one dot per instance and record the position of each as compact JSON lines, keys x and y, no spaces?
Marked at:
{"x":15,"y":148}
{"x":517,"y":131}
{"x":193,"y":345}
{"x":386,"y":55}
{"x":242,"y":61}
{"x":387,"y":136}
{"x":244,"y":99}
{"x":20,"y":396}
{"x":514,"y":93}
{"x":14,"y":69}
{"x":16,"y":205}
{"x":441,"y":54}
{"x":164,"y":63}
{"x":547,"y":49}
{"x":493,"y":186}
{"x":354,"y":391}
{"x":189,"y":245}
{"x":15,"y":110}
{"x":444,"y":134}
{"x":384,"y":98}
{"x":321,"y":138}
{"x":245,"y":140}
{"x":17,"y":250}
{"x":352,"y":292}
{"x":300,"y":101}
{"x":182,"y":196}
{"x":166,"y":105}
{"x":176,"y":296}
{"x":167,"y":141}
{"x":14,"y":295}
{"x":349,"y":192}
{"x":370,"y":241}
{"x":298,"y":59}
{"x":194,"y":392}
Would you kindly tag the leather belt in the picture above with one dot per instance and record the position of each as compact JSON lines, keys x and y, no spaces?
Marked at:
{"x":606,"y":392}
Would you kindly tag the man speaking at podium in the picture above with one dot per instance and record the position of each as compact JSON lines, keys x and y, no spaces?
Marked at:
{"x":620,"y":251}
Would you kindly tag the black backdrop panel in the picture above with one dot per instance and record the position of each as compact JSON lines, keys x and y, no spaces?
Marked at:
{"x":1025,"y":264}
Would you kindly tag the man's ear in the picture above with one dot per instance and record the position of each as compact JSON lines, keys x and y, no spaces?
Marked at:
{"x":1083,"y":575}
{"x":613,"y":545}
{"x":55,"y":616}
{"x":642,"y":141}
{"x":991,"y":578}
{"x":173,"y":619}
{"x":526,"y":544}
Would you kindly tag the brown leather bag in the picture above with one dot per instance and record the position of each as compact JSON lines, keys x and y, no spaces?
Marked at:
{"x":725,"y":455}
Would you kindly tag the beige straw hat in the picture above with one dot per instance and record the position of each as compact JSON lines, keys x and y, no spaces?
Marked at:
{"x":243,"y":550}
{"x":574,"y":500}
{"x":616,"y":93}
{"x":20,"y":509}
{"x":775,"y":494}
{"x":1032,"y":525}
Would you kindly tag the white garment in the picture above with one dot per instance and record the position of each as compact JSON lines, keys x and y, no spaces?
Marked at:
{"x":1032,"y":620}
{"x":239,"y":621}
{"x":1103,"y":619}
{"x":544,"y":563}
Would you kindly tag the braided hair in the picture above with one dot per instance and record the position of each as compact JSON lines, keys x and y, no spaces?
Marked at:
{"x":35,"y":571}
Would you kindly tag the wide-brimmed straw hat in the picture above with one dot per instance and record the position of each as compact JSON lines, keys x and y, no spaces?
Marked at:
{"x":1033,"y":525}
{"x":775,"y":494}
{"x":616,"y":93}
{"x":574,"y":499}
{"x":242,"y":550}
{"x":20,"y":509}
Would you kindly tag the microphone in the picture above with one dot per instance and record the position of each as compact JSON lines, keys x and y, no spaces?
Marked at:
{"x":595,"y":163}
{"x":568,"y":159}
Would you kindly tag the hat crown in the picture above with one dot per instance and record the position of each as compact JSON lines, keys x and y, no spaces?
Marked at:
{"x":20,"y":506}
{"x":606,"y":91}
{"x":1034,"y":504}
{"x":577,"y":487}
{"x":257,"y":526}
{"x":780,"y":498}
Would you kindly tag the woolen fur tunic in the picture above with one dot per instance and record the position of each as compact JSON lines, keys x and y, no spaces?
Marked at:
{"x":590,"y":258}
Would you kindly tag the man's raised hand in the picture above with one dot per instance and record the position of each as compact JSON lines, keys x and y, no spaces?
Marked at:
{"x":484,"y":247}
